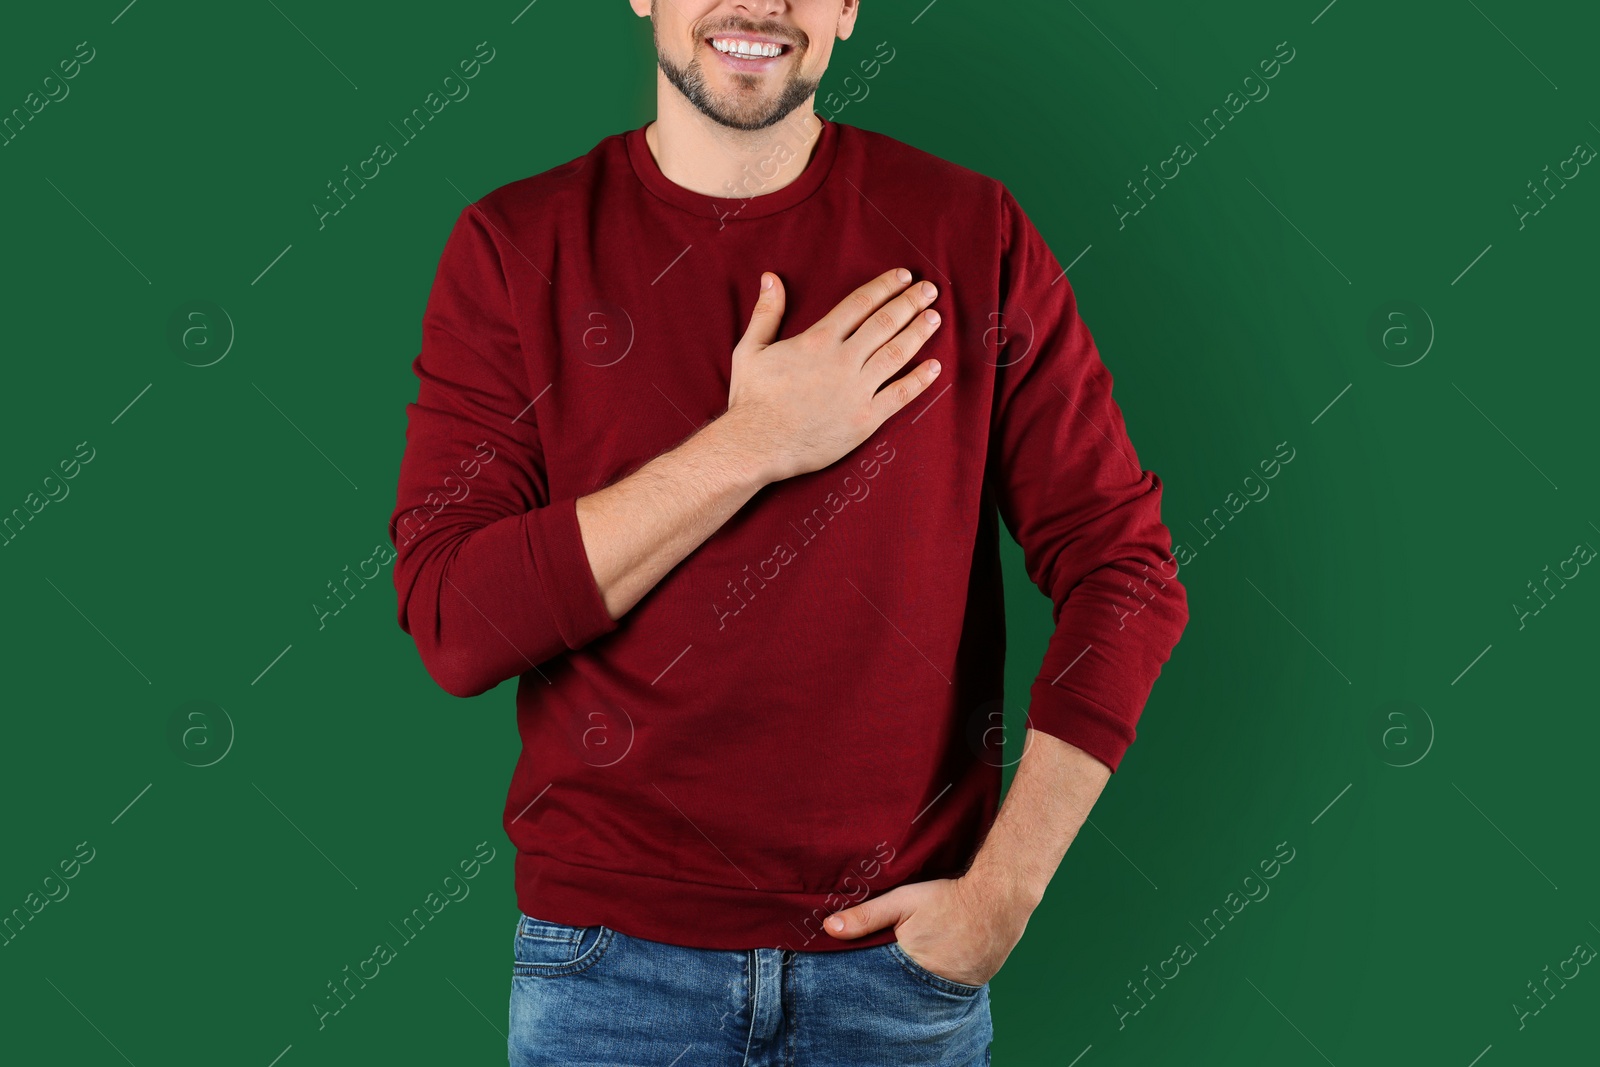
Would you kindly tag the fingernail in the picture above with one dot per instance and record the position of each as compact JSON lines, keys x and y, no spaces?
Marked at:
{"x":766,"y":282}
{"x":933,"y":368}
{"x":902,"y":276}
{"x":929,"y":291}
{"x":835,"y":925}
{"x":932,"y":316}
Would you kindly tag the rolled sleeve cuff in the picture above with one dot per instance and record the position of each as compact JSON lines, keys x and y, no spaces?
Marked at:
{"x":1080,"y":722}
{"x":565,"y":575}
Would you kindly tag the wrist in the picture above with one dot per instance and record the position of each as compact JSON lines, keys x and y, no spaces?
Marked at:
{"x":1012,"y":891}
{"x":730,"y":438}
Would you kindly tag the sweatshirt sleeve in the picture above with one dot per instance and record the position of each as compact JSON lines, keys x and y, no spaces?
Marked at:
{"x":1074,"y":497}
{"x":491,"y":574}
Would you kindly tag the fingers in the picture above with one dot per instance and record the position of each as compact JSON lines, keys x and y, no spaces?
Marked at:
{"x":891,"y":319}
{"x":868,"y":916}
{"x":895,"y":353}
{"x":768,"y":313}
{"x":891,"y":398}
{"x":848,"y":315}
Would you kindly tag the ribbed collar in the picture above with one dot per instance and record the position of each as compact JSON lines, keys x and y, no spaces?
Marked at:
{"x":735,"y":208}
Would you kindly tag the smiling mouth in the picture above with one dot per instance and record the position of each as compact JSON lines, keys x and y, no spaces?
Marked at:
{"x":739,"y":48}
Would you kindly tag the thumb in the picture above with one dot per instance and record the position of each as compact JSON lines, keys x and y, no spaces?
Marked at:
{"x":768,"y":313}
{"x":869,"y":915}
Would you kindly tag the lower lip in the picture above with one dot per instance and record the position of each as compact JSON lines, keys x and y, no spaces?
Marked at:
{"x":750,"y":63}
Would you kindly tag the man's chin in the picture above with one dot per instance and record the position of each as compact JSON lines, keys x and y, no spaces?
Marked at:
{"x":749,"y":115}
{"x":744,"y":119}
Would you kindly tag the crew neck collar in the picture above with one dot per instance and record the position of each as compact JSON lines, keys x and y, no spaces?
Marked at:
{"x":735,"y":208}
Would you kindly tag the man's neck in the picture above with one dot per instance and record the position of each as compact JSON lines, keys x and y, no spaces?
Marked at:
{"x":706,"y":157}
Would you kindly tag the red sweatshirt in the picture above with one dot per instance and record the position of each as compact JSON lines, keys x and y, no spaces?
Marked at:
{"x":806,"y":711}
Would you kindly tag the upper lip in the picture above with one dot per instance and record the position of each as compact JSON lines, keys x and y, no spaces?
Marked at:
{"x":754,"y":38}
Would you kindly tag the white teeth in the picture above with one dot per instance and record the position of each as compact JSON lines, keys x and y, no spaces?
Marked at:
{"x":746,"y":48}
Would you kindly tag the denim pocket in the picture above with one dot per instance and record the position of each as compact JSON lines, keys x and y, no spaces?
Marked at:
{"x":552,"y":950}
{"x":927,"y":977}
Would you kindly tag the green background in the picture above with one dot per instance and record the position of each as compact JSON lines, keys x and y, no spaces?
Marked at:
{"x":1442,"y":858}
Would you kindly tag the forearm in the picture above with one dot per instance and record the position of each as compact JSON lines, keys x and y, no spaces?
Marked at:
{"x":1055,"y":786}
{"x":637,"y":529}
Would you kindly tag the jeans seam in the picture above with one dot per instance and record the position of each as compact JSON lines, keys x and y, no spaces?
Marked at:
{"x":791,"y":1015}
{"x":752,"y":987}
{"x":562,"y":970}
{"x":928,"y":978}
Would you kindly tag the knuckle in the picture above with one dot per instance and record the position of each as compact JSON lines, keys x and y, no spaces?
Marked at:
{"x":883,"y":319}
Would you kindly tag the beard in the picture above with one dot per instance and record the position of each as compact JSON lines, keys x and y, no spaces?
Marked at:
{"x":738,"y":110}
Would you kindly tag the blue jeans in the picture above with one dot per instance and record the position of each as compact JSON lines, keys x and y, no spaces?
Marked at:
{"x":595,"y":997}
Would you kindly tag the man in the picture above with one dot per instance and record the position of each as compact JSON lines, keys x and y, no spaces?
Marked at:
{"x":715,"y":429}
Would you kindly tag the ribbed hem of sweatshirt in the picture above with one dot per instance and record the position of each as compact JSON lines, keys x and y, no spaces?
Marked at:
{"x":1079,"y":721}
{"x":564,"y":572}
{"x":679,"y":913}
